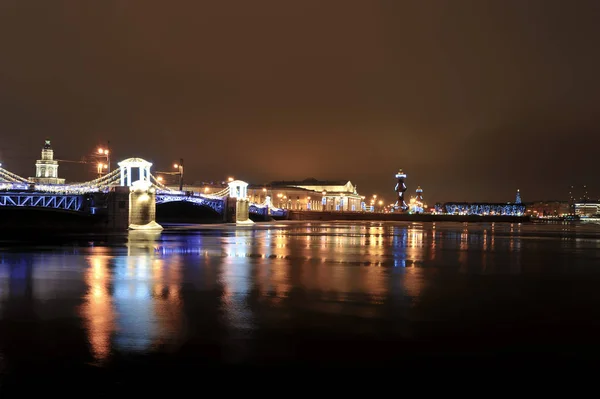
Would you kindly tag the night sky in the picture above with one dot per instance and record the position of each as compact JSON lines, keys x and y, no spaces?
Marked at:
{"x":472,"y":98}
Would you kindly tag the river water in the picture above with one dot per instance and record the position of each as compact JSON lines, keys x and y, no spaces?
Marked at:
{"x":297,"y":294}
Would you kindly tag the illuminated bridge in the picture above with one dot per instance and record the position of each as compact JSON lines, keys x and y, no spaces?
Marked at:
{"x":19,"y":192}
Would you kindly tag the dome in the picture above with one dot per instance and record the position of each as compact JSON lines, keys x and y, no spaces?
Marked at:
{"x":134,"y":162}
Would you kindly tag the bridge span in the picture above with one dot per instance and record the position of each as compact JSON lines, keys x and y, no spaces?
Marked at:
{"x":127,"y":197}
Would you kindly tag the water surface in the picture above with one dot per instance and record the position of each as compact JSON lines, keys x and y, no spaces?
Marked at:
{"x":298,"y":294}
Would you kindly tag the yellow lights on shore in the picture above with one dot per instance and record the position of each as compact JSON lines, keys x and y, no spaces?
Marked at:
{"x":102,"y":151}
{"x":230,"y":179}
{"x":159,"y":178}
{"x":175,"y":165}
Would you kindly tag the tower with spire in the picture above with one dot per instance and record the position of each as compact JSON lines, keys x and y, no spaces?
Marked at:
{"x":46,"y":168}
{"x":417,"y":204}
{"x":518,"y":198}
{"x":400,"y":189}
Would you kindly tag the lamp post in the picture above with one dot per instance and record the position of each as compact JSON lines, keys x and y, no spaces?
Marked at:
{"x":105,"y":153}
{"x":100,"y":168}
{"x":179,"y":167}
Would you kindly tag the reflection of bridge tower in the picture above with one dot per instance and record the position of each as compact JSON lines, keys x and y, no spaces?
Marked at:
{"x":400,"y":189}
{"x":46,"y":169}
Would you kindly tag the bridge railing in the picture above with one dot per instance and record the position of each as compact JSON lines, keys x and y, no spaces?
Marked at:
{"x":14,"y":186}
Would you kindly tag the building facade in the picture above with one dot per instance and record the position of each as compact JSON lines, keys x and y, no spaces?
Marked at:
{"x":545,"y":209}
{"x":317,"y":195}
{"x":309,"y":194}
{"x":587,"y":209}
{"x":46,"y":168}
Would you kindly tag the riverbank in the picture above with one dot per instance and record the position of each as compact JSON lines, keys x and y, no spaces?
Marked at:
{"x":402,"y":217}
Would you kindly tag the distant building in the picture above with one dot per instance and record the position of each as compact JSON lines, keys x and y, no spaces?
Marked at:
{"x":548,"y":208}
{"x":480,"y":208}
{"x":336,"y":195}
{"x":587,"y":209}
{"x":309,"y":194}
{"x":46,"y":169}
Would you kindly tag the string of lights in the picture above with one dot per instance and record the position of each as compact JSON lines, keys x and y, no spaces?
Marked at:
{"x":10,"y":177}
{"x":10,"y":181}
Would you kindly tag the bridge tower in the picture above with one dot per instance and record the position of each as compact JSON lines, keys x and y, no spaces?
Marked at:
{"x":135,"y":174}
{"x":134,"y":169}
{"x":400,"y":189}
{"x":238,"y":193}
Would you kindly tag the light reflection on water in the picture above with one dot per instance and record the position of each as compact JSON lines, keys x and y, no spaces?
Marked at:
{"x":160,"y":290}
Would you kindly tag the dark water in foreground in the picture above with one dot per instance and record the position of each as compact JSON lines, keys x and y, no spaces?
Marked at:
{"x":298,"y":294}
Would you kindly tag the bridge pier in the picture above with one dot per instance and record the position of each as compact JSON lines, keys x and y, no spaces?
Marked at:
{"x":142,"y":206}
{"x":238,"y":194}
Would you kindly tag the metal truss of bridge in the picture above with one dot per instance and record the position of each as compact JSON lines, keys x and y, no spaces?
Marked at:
{"x":213,"y":203}
{"x":464,"y":208}
{"x":68,"y":202}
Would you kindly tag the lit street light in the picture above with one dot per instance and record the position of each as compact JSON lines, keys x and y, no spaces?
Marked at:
{"x":101,"y":167}
{"x":104,"y":153}
{"x":179,"y":168}
{"x":179,"y":172}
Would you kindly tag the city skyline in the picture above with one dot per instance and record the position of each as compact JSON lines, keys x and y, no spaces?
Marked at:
{"x":474,"y":100}
{"x":96,"y":163}
{"x":87,"y":168}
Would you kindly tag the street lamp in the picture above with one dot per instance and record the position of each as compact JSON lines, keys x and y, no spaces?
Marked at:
{"x":105,"y":153}
{"x":101,"y":166}
{"x":179,"y":167}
